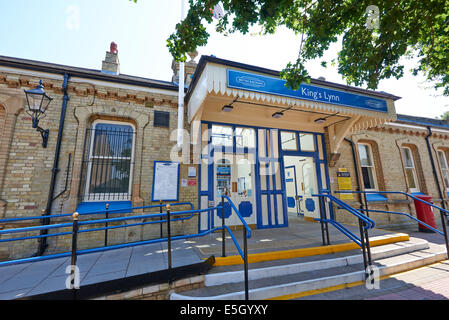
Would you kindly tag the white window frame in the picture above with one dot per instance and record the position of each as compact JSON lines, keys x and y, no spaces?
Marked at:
{"x":373,"y":166}
{"x":444,"y":167}
{"x":413,"y":167}
{"x":95,"y":197}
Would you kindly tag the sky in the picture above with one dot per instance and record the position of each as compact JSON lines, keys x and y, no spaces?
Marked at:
{"x":79,"y":32}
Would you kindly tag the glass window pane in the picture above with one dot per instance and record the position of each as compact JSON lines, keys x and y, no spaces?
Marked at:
{"x":245,"y":188}
{"x":288,"y":141}
{"x":446,"y":178}
{"x":109,"y":176}
{"x":221,"y":136}
{"x":368,"y":180}
{"x":443,"y":160}
{"x":408,"y":161}
{"x":307,"y":142}
{"x":411,"y":178}
{"x":365,"y":157}
{"x":112,"y":140}
{"x":223,"y":178}
{"x":245,"y":137}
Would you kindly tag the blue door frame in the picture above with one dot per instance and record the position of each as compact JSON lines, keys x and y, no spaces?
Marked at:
{"x":269,"y":161}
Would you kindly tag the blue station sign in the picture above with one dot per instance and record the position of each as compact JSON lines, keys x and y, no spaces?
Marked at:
{"x":264,"y":84}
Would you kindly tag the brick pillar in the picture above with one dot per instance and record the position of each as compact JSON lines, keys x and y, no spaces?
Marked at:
{"x":12,"y":108}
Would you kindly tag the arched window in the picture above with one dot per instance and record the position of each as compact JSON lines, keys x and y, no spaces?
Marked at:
{"x":109,"y":161}
{"x":367,"y":166}
{"x":444,"y":165}
{"x":410,"y":169}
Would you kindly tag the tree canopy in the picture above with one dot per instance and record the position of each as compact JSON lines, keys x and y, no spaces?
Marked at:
{"x":375,"y":35}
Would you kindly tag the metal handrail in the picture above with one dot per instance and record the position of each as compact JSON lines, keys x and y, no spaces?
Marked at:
{"x":74,"y":253}
{"x":397,"y":192}
{"x":443,"y":212}
{"x":87,"y":222}
{"x":343,"y":230}
{"x":248,"y":229}
{"x":365,"y":223}
{"x":246,"y":235}
{"x":407,"y":215}
{"x":370,"y":224}
{"x":92,"y":212}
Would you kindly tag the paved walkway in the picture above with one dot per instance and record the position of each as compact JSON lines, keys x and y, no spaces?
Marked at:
{"x":28,"y":279}
{"x":22,"y":280}
{"x":425,"y":283}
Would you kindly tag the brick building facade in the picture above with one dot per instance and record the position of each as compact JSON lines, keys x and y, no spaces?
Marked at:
{"x":108,"y":99}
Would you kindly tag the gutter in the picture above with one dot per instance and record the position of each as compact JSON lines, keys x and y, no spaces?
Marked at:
{"x":84,"y":73}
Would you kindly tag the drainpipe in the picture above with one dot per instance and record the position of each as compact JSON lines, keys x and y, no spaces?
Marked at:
{"x":46,"y":221}
{"x":432,"y":162}
{"x":354,"y":159}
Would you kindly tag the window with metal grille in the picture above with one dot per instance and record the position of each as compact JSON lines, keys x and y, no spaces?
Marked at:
{"x":162,"y":119}
{"x":108,"y":161}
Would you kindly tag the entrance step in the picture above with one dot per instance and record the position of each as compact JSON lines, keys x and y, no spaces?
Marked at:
{"x":307,"y":252}
{"x":288,"y":281}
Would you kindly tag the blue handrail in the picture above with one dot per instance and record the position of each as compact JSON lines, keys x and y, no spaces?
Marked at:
{"x":248,"y":229}
{"x":398,"y":192}
{"x":344,"y":230}
{"x":88,"y":222}
{"x":369,"y":222}
{"x":119,"y":219}
{"x":92,"y":212}
{"x":407,"y":215}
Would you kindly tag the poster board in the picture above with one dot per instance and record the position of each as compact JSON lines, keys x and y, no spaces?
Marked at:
{"x":344,"y":184}
{"x":165,"y":181}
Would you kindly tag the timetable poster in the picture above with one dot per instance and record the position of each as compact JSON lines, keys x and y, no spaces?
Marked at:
{"x":165,"y":181}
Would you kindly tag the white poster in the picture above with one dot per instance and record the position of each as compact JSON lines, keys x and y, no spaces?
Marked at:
{"x":165,"y":183}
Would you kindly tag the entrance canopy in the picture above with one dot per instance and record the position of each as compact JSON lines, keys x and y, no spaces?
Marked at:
{"x":257,"y":96}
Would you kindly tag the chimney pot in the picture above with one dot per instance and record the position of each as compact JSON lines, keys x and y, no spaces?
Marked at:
{"x":114,"y":48}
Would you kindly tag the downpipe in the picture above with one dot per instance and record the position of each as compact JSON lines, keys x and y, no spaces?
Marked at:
{"x":434,"y":170}
{"x":55,"y":170}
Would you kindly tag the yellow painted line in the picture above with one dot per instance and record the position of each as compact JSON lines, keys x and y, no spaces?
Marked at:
{"x":306,"y":252}
{"x":323,"y":290}
{"x":344,"y":286}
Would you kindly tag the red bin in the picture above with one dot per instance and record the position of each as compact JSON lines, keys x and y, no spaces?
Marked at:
{"x":424,"y":213}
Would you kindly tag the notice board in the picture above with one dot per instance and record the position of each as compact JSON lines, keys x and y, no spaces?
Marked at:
{"x":344,"y":184}
{"x":165,"y":181}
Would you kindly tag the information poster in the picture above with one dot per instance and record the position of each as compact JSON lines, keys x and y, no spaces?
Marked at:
{"x":344,"y":184}
{"x":165,"y":181}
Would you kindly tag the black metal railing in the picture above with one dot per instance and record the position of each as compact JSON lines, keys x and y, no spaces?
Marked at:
{"x":365,"y":223}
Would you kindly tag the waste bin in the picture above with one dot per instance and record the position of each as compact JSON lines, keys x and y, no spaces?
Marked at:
{"x":424,"y":213}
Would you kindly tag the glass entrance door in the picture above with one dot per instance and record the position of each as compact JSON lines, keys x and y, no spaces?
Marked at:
{"x":301,"y":184}
{"x":234,"y":176}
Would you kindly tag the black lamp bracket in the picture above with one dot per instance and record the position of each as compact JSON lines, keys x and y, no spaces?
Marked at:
{"x":44,"y":134}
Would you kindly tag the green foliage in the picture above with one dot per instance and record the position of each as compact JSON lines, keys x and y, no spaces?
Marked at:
{"x":445,"y":116}
{"x":369,"y":54}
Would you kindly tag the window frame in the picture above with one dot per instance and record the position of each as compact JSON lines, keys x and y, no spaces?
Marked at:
{"x":373,"y":166}
{"x":445,"y":169}
{"x":415,"y":174}
{"x":95,"y":197}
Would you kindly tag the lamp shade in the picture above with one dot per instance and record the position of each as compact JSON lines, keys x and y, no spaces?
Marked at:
{"x":277,"y":115}
{"x":37,"y":100}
